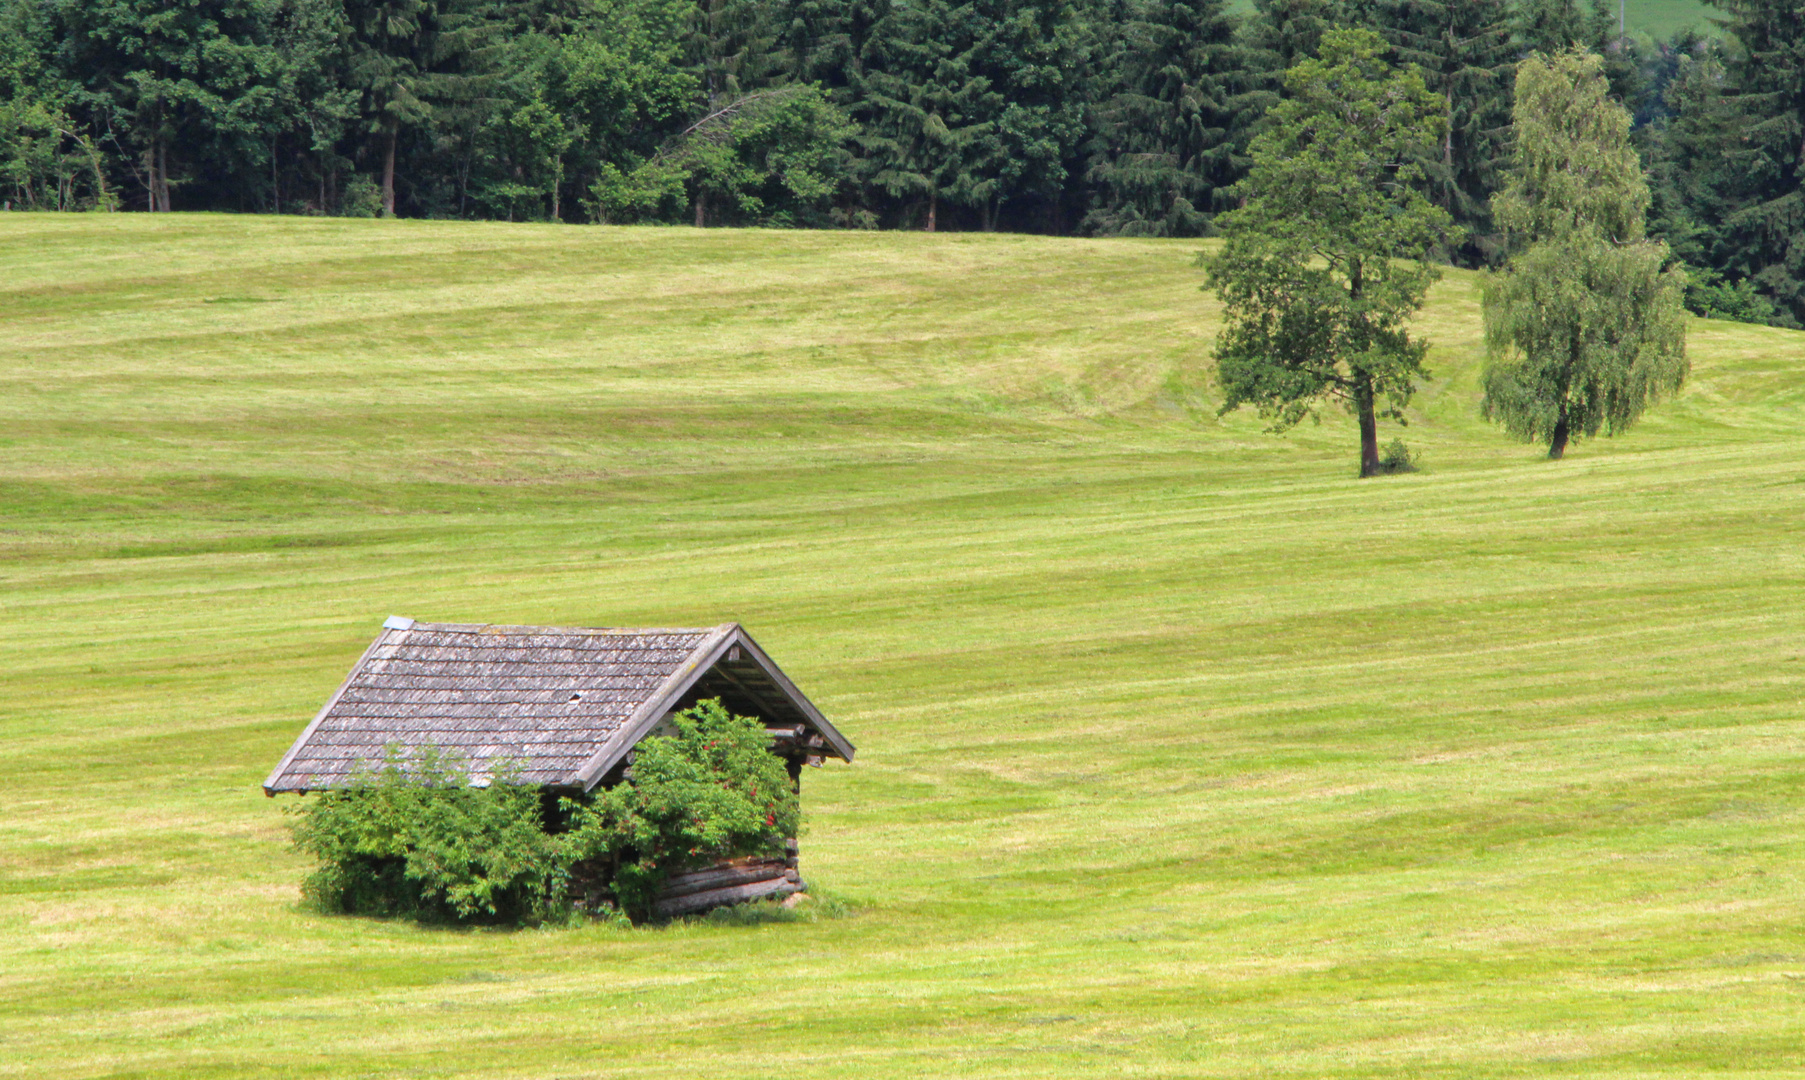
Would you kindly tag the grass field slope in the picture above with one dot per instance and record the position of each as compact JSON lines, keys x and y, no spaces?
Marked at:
{"x":1182,"y":753}
{"x":1656,"y":18}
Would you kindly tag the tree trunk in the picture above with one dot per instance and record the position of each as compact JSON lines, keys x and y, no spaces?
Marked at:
{"x":275,"y":179}
{"x":1557,"y":444}
{"x":1447,"y":138}
{"x":1369,"y":425}
{"x":150,"y":179}
{"x":162,"y":176}
{"x":388,"y":171}
{"x":1363,"y":388}
{"x":701,"y":209}
{"x":933,"y":206}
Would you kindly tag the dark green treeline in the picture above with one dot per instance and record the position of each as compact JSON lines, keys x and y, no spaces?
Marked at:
{"x":1069,"y":116}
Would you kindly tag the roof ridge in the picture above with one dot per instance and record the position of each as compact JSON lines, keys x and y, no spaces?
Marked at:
{"x":507,"y":628}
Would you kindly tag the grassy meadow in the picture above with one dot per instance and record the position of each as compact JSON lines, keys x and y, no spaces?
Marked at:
{"x":1661,"y":18}
{"x":1182,"y":753}
{"x":1656,"y":18}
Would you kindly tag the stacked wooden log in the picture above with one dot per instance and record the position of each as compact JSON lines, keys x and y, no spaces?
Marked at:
{"x":733,"y":881}
{"x":799,"y":743}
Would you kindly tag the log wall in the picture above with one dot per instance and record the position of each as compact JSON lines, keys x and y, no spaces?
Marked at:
{"x":732,"y":881}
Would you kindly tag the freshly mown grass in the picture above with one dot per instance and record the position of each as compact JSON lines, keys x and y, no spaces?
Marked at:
{"x":1181,"y":752}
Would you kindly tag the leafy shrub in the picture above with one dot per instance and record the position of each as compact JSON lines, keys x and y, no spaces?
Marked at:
{"x":1709,"y":295}
{"x":711,"y":790}
{"x":414,"y":838}
{"x":1397,"y":458}
{"x":362,"y":198}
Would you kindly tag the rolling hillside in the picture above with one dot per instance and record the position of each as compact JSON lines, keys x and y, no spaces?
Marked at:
{"x":1656,"y":18}
{"x":1182,"y":753}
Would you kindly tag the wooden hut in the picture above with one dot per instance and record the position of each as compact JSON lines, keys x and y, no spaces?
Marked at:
{"x":566,"y":707}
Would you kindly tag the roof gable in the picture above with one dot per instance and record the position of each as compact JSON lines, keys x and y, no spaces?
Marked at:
{"x":565,"y":705}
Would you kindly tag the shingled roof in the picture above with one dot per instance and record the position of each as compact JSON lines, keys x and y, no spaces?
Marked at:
{"x":565,"y":705}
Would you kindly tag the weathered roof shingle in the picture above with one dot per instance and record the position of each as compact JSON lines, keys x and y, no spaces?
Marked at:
{"x":563,"y":704}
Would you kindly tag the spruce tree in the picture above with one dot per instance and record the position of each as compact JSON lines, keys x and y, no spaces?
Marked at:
{"x":418,"y":66}
{"x":1035,"y":56}
{"x":929,"y":118}
{"x":1464,"y":50}
{"x":1551,"y":26}
{"x":824,"y":41}
{"x":1584,"y":327}
{"x":1289,"y":31}
{"x":1692,"y":153}
{"x":1766,"y":227}
{"x":1167,"y":128}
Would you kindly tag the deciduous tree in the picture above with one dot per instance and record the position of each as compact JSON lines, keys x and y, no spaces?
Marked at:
{"x":1584,"y":326}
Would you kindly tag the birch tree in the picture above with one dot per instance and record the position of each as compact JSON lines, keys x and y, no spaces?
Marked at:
{"x":1584,"y":327}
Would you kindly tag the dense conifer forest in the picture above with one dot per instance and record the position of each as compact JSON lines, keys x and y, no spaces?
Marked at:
{"x":1096,"y":117}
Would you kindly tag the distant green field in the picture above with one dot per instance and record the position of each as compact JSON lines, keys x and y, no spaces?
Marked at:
{"x":1656,"y":18}
{"x":1660,"y":18}
{"x":1182,"y":753}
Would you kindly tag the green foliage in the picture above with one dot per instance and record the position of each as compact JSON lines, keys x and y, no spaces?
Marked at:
{"x":415,"y":838}
{"x":648,"y":192}
{"x":1694,"y":163}
{"x":1397,"y":458}
{"x":1167,"y":153}
{"x":771,"y":155}
{"x":1325,"y":261}
{"x":1709,"y":295}
{"x":1464,"y":49}
{"x":1765,"y":223}
{"x":362,"y":198}
{"x":1585,"y":326}
{"x":709,"y":790}
{"x":1132,"y":117}
{"x":929,"y":120}
{"x":47,"y":165}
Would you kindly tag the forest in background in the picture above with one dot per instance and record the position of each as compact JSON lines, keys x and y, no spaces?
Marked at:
{"x":1097,"y":117}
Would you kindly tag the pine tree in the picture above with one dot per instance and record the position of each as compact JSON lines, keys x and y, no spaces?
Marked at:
{"x":929,"y":117}
{"x":1168,"y":127}
{"x":1766,"y":227}
{"x":1289,"y":31}
{"x":1035,"y":55}
{"x":1551,"y":26}
{"x":824,"y":41}
{"x":1584,"y":327}
{"x":1690,"y":150}
{"x":733,"y":48}
{"x":416,"y":63}
{"x":1464,"y":50}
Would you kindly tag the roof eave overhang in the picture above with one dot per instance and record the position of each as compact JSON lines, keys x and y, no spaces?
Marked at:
{"x":841,"y":747}
{"x":713,"y":648}
{"x":273,"y":784}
